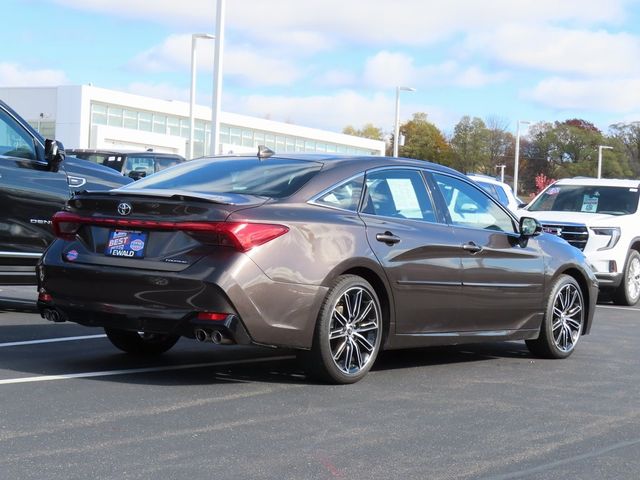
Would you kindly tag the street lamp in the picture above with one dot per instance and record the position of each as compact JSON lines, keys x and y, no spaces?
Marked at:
{"x":516,"y":163}
{"x":192,"y":97}
{"x":396,"y":136}
{"x":217,"y":77}
{"x":600,"y":147}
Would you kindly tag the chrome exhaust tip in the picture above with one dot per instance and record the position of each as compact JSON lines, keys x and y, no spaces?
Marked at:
{"x":219,"y":338}
{"x":202,"y":335}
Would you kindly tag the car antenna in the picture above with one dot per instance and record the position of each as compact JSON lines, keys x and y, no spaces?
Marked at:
{"x":264,"y":151}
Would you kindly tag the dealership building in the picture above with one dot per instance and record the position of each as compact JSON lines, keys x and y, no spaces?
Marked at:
{"x":84,"y":116}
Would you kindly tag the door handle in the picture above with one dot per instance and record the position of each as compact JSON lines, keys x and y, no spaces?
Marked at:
{"x":388,"y":238}
{"x":471,"y":247}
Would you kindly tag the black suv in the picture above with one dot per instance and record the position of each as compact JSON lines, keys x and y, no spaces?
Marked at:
{"x":130,"y":163}
{"x":34,"y":184}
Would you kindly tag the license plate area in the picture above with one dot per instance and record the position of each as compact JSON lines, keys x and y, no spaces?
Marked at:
{"x":126,"y":243}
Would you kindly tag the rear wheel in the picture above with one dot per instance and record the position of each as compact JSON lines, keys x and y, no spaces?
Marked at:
{"x":628,"y":293}
{"x":140,"y":343}
{"x":348,"y":333}
{"x":563,"y":321}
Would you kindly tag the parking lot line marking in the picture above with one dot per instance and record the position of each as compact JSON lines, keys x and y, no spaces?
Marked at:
{"x":107,"y":373}
{"x":628,"y":309}
{"x":51,"y":340}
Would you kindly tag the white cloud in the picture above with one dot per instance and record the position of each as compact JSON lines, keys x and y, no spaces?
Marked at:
{"x":388,"y":70}
{"x":546,"y":48}
{"x":250,"y":65}
{"x":333,"y":112}
{"x":14,"y":75}
{"x":378,"y":22}
{"x":607,"y":95}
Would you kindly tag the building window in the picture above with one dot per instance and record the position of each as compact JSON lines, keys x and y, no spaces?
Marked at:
{"x":98,"y":114}
{"x":258,"y":138}
{"x":280,"y":144}
{"x":173,"y":126}
{"x":114,"y":117}
{"x":224,"y":134}
{"x":160,"y":123}
{"x":234,"y":136}
{"x":144,"y":121}
{"x":291,"y":144}
{"x":247,"y":138}
{"x":130,"y":119}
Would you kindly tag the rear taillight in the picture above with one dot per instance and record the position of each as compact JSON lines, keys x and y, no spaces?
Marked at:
{"x":212,"y":316}
{"x":239,"y":235}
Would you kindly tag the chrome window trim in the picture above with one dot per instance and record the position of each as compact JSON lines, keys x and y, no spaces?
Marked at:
{"x":314,"y":200}
{"x":20,"y":255}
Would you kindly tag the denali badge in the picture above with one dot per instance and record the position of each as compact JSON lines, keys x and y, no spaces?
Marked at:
{"x":124,"y":208}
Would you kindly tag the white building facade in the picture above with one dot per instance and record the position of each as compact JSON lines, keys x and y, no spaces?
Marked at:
{"x":84,"y":116}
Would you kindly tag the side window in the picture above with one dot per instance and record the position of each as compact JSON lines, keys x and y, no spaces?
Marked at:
{"x":14,"y":140}
{"x":471,"y":207}
{"x":399,"y":194}
{"x":139,"y":164}
{"x":345,"y":196}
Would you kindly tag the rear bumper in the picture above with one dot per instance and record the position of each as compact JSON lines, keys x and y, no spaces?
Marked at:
{"x":609,"y":280}
{"x":258,"y":309}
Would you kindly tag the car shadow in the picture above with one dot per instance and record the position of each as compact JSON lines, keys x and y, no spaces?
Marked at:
{"x":191,"y":363}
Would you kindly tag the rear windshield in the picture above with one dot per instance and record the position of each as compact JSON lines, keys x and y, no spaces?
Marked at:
{"x":273,"y":178}
{"x":587,"y":199}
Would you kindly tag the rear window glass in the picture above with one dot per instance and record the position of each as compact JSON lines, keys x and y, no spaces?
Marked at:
{"x":587,"y":199}
{"x":274,"y":177}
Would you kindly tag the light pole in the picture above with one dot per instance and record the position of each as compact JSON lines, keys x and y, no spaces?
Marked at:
{"x":600,"y":147}
{"x":516,"y":163}
{"x":501,"y":167}
{"x":192,"y":96}
{"x":396,"y":136}
{"x":217,"y":78}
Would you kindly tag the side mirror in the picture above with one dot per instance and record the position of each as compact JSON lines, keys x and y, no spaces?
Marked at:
{"x":530,"y":227}
{"x":53,"y":154}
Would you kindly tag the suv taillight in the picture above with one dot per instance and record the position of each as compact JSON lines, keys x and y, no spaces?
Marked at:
{"x":242,"y":236}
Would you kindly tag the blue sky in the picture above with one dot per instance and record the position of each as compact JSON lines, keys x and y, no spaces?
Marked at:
{"x":332,"y":63}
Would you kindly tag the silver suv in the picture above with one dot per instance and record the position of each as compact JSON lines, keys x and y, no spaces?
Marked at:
{"x":601,"y":218}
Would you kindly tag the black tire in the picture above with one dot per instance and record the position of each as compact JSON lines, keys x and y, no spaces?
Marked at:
{"x":138,"y":343}
{"x":348,"y":332}
{"x":628,"y":293}
{"x":563,"y":320}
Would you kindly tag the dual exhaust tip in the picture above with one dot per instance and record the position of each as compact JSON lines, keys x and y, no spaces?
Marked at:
{"x":214,"y":336}
{"x":53,"y":315}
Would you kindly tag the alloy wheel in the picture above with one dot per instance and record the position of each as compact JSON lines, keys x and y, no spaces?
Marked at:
{"x":353,"y":330}
{"x":568,"y":316}
{"x":633,"y":278}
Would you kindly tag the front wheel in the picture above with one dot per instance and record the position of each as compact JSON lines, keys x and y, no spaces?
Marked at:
{"x":628,"y":293}
{"x":563,"y":321}
{"x":348,"y":332}
{"x":140,"y":343}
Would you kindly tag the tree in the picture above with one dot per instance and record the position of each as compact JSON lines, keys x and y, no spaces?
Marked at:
{"x":470,"y":145}
{"x":627,"y":137}
{"x":423,"y":140}
{"x":500,"y":143}
{"x":368,"y":131}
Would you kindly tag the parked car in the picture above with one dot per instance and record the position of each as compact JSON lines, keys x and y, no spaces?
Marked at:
{"x":599,"y":217}
{"x":35,"y":182}
{"x":338,"y":257}
{"x":133,"y":164}
{"x":498,"y":190}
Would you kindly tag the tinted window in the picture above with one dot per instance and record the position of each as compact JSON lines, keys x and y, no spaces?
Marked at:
{"x":273,"y":177}
{"x":142,"y":163}
{"x":14,"y":140}
{"x":166,"y":162}
{"x":398,"y":193}
{"x":589,"y":199}
{"x":471,"y":207}
{"x":345,"y":196}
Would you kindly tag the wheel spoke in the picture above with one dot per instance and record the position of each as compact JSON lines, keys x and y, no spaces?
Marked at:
{"x":339,"y":350}
{"x":367,"y":327}
{"x":556,"y":324}
{"x":364,"y":314}
{"x":364,"y":342}
{"x":573,"y":323}
{"x":357,"y":303}
{"x":339,"y":317}
{"x":359,"y":358}
{"x":338,"y":333}
{"x":348,"y":356}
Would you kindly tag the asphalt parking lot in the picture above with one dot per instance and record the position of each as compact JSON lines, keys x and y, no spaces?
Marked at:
{"x":72,"y":406}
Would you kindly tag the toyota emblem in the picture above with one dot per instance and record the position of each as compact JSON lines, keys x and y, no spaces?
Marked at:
{"x":124,"y":208}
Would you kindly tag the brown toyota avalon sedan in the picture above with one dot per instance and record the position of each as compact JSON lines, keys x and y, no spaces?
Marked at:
{"x":336,"y":256}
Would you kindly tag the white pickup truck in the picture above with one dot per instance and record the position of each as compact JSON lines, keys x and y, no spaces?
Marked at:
{"x":600,"y":217}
